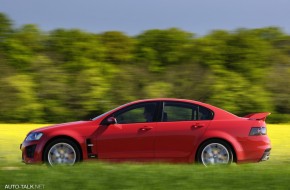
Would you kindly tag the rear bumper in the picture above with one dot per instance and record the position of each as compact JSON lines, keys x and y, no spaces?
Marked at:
{"x":266,"y":155}
{"x":254,"y":149}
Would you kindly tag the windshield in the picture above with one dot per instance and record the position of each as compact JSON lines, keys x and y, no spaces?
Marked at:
{"x":101,"y":115}
{"x":109,"y":112}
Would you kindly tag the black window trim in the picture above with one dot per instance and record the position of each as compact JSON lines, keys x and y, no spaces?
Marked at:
{"x":158,"y":115}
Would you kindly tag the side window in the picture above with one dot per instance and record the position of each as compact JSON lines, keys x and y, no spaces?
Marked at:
{"x":204,"y":113}
{"x":177,"y":111}
{"x":140,"y":113}
{"x":174,"y":111}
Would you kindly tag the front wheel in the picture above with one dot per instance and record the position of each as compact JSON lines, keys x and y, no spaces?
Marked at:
{"x":62,"y":152}
{"x":215,"y":152}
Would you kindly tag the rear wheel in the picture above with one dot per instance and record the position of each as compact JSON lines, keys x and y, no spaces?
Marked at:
{"x":215,"y":152}
{"x":62,"y":152}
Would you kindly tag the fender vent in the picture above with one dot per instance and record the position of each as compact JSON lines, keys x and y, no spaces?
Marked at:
{"x":89,"y":146}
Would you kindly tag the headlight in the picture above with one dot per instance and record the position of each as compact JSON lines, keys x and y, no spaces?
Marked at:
{"x":33,"y":136}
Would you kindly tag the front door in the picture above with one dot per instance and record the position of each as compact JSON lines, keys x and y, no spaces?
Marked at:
{"x":132,"y":137}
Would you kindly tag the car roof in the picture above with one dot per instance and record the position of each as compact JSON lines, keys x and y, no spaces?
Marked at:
{"x":171,"y":99}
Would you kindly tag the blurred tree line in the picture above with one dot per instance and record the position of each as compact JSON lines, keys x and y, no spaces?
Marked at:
{"x":65,"y":75}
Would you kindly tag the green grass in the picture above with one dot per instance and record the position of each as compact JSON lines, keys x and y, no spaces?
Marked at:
{"x":273,"y":174}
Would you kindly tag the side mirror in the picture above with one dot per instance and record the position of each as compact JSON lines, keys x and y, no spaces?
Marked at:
{"x":111,"y":120}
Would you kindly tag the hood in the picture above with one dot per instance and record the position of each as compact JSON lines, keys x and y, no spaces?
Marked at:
{"x":72,"y":126}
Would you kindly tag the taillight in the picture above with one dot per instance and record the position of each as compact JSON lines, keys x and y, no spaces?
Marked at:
{"x":256,"y":131}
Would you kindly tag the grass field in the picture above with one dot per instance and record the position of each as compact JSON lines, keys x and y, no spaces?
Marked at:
{"x":273,"y":174}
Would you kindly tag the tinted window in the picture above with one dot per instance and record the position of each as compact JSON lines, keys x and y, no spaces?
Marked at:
{"x":140,"y":113}
{"x":176,"y":111}
{"x":204,"y":113}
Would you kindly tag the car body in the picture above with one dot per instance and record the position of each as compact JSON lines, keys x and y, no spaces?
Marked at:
{"x":163,"y":129}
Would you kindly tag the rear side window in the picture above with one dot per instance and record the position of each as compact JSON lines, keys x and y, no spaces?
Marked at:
{"x":178,"y":111}
{"x":204,"y":113}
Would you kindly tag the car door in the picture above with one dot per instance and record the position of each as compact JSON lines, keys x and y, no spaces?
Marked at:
{"x":180,"y":127}
{"x":132,"y":137}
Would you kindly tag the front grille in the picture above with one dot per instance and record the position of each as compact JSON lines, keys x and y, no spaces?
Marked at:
{"x":30,"y":151}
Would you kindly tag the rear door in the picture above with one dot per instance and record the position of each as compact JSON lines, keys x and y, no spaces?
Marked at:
{"x":180,"y":127}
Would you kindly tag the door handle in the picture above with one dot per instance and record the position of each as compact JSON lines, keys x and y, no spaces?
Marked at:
{"x":197,"y":126}
{"x":145,"y":128}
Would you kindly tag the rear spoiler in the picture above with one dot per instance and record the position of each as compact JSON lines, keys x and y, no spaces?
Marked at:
{"x":258,"y":116}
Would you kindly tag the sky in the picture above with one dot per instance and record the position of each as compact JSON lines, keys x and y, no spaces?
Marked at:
{"x":135,"y":16}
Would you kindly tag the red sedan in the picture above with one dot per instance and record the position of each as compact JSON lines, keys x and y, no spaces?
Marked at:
{"x":172,"y":130}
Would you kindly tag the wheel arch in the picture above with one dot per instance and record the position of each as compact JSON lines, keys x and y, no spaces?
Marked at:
{"x":216,"y":138}
{"x":62,"y":137}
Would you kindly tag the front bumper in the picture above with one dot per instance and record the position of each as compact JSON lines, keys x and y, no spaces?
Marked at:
{"x":31,"y":152}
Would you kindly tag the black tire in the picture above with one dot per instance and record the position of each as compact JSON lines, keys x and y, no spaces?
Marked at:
{"x":215,"y":152}
{"x":62,"y":151}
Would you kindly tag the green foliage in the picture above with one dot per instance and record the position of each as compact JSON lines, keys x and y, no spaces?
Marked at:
{"x":118,"y":47}
{"x":188,"y":81}
{"x":210,"y":50}
{"x":234,"y":93}
{"x":159,"y":48}
{"x":158,"y":89}
{"x":279,"y":86}
{"x":242,"y":51}
{"x":5,"y":26}
{"x":18,"y":99}
{"x":70,"y":46}
{"x":72,"y":74}
{"x":278,"y":118}
{"x":52,"y":88}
